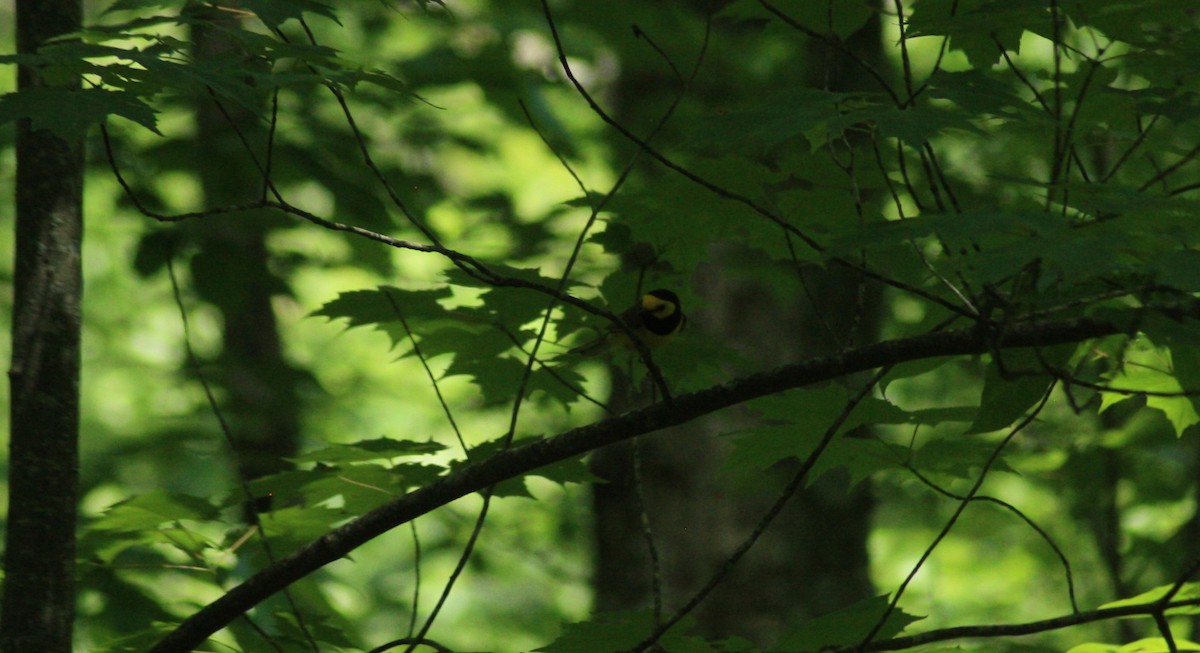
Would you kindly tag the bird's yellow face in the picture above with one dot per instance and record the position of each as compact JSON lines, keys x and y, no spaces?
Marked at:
{"x":656,"y":319}
{"x":658,"y":307}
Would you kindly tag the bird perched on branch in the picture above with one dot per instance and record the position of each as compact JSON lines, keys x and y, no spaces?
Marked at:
{"x":654,"y":320}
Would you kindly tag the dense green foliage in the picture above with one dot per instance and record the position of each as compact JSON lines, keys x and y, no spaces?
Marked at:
{"x":1016,"y":169}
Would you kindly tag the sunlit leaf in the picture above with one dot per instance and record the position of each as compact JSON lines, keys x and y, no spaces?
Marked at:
{"x":150,"y":510}
{"x":1150,"y":369}
{"x":1186,"y":592}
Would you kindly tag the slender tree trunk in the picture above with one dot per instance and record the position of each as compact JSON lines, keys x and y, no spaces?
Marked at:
{"x":813,"y":559}
{"x":39,"y":564}
{"x":234,"y":262}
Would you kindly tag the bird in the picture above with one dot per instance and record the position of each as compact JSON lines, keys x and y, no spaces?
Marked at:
{"x":654,"y":320}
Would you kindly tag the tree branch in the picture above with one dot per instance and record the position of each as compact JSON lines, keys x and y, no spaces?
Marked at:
{"x":527,"y":458}
{"x":1016,"y":630}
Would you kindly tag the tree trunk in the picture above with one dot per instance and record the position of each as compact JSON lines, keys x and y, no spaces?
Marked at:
{"x":813,"y":559}
{"x":232,"y":272}
{"x":39,"y":581}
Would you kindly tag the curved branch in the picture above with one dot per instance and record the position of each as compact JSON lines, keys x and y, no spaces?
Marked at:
{"x":524,"y":459}
{"x":1016,"y":630}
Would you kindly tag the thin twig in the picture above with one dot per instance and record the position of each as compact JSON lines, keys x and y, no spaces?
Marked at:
{"x":428,"y":373}
{"x":1164,"y":629}
{"x":905,"y":59}
{"x":962,"y":506}
{"x":416,"y":592}
{"x":234,"y":450}
{"x":836,"y":44}
{"x":1062,"y":558}
{"x":412,"y":642}
{"x":1143,"y":133}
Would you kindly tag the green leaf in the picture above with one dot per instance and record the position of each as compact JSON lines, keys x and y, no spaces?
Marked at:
{"x":983,"y":93}
{"x":841,"y":23}
{"x":860,"y":458}
{"x":154,"y":250}
{"x":284,"y":487}
{"x":1152,"y":369}
{"x":1094,"y":647}
{"x":1180,"y":269}
{"x":363,"y":307}
{"x":364,"y":450}
{"x":151,"y":510}
{"x":143,"y":640}
{"x":297,"y":525}
{"x":330,"y":631}
{"x":1015,"y":381}
{"x":678,"y":227}
{"x":514,"y":306}
{"x":361,"y":487}
{"x":1158,"y":645}
{"x":572,"y":470}
{"x":873,"y":410}
{"x":912,"y":369}
{"x":497,"y":377}
{"x":71,"y":112}
{"x":562,"y":386}
{"x":610,"y":632}
{"x":798,"y":421}
{"x":763,"y":125}
{"x":358,"y":484}
{"x":154,"y":518}
{"x":134,"y":5}
{"x":1189,"y":592}
{"x":975,"y":26}
{"x":913,"y":126}
{"x":1182,"y":337}
{"x":846,"y":627}
{"x":956,"y":457}
{"x":273,"y":13}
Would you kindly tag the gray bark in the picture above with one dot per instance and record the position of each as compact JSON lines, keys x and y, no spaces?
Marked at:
{"x":43,"y":485}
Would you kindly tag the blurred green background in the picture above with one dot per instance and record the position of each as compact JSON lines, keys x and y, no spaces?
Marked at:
{"x":1117,"y":486}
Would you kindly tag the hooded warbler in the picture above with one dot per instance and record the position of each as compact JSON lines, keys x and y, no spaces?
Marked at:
{"x":654,"y":320}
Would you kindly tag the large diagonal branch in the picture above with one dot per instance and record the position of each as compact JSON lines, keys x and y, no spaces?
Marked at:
{"x":524,"y":459}
{"x":1018,"y":630}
